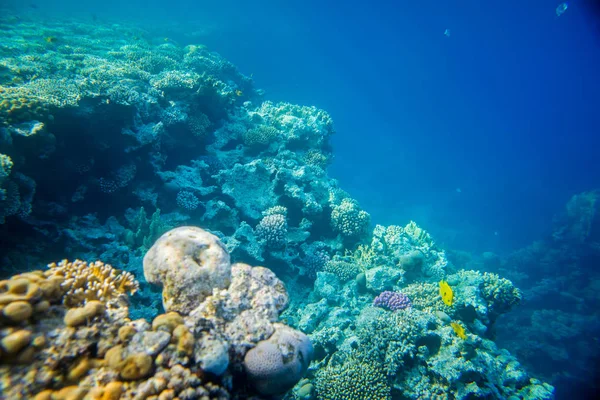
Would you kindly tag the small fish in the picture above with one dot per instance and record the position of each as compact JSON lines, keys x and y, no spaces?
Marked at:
{"x":459,"y":330}
{"x":446,"y":293}
{"x":239,"y":93}
{"x":50,"y":39}
{"x":560,"y":10}
{"x":447,"y":33}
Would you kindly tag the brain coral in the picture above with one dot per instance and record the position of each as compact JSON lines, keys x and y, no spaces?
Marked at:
{"x":276,"y":364}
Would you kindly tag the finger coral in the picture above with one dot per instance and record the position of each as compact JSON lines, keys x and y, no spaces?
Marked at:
{"x":95,"y":281}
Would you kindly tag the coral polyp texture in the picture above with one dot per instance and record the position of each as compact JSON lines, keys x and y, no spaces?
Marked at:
{"x":52,"y":347}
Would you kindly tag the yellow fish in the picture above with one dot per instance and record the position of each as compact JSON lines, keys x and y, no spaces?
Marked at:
{"x":446,"y":293}
{"x":459,"y":330}
{"x":239,"y":92}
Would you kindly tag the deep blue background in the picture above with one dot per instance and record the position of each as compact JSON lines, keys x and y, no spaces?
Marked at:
{"x":506,"y":109}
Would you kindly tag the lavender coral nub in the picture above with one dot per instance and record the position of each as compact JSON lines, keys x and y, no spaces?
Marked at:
{"x":392,"y":301}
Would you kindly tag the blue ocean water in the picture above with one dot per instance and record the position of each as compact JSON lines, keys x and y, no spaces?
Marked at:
{"x":478,"y":121}
{"x":473,"y":133}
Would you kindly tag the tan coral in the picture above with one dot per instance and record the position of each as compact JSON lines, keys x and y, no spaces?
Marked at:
{"x":168,"y":321}
{"x":80,"y":315}
{"x":18,"y":311}
{"x":16,"y":341}
{"x":94,"y":281}
{"x":79,"y":369}
{"x":126,"y":332}
{"x":18,"y":289}
{"x":136,"y":366}
{"x":132,"y":367}
{"x":185,"y":340}
{"x":42,"y":306}
{"x":112,"y":391}
{"x":69,"y":393}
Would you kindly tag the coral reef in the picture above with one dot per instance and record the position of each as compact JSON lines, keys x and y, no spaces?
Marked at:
{"x":51,"y":347}
{"x":110,"y":137}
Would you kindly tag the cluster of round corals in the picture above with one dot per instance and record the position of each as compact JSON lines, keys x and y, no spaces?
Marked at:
{"x":84,"y":282}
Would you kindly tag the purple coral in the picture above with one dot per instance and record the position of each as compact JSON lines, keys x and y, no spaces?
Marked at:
{"x":392,"y":301}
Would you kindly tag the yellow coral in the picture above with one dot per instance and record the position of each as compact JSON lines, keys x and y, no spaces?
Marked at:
{"x":446,"y":293}
{"x":459,"y":330}
{"x":84,"y":282}
{"x":364,"y":256}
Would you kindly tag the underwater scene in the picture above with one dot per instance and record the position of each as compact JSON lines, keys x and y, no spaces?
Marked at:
{"x":299,"y":200}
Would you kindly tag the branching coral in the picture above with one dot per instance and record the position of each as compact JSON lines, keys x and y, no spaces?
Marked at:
{"x":84,"y":282}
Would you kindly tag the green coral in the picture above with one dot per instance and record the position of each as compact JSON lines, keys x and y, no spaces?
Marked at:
{"x":343,"y":269}
{"x":175,"y":80}
{"x":262,"y":135}
{"x":348,"y":219}
{"x":144,"y":231}
{"x":425,"y":297}
{"x":418,"y":235}
{"x":316,"y":158}
{"x":199,"y":125}
{"x":500,"y":294}
{"x":353,"y":380}
{"x":6,"y":165}
{"x":392,"y":338}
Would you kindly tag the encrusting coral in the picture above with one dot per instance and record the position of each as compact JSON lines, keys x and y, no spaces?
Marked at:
{"x":61,"y":340}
